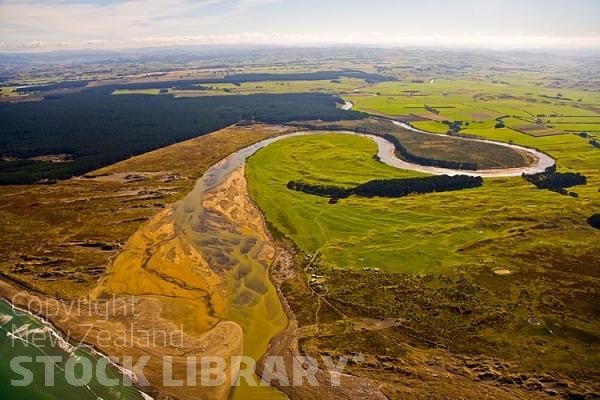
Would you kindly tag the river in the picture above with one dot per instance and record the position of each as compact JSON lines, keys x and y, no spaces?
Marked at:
{"x":258,"y":311}
{"x":252,"y":300}
{"x":542,"y":162}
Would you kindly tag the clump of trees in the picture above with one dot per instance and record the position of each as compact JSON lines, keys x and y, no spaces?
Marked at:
{"x":391,"y":187}
{"x":594,"y":221}
{"x":432,"y":109}
{"x":406,"y":186}
{"x":320,"y":190}
{"x":556,"y":181}
{"x":454,"y":126}
{"x":593,"y":142}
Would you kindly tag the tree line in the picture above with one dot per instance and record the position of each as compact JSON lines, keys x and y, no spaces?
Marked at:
{"x":235,"y":79}
{"x":391,"y":187}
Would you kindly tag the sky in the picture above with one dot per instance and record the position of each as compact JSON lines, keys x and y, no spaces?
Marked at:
{"x":38,"y":25}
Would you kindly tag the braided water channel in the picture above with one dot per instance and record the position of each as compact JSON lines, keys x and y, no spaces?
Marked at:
{"x":251,"y":299}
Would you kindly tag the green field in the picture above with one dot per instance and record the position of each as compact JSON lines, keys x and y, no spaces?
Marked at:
{"x":338,"y":86}
{"x":439,"y":253}
{"x":411,"y":234}
{"x":119,"y":92}
{"x":519,"y":101}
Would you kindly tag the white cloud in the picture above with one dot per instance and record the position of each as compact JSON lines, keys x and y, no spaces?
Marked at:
{"x":39,"y":25}
{"x":121,"y":20}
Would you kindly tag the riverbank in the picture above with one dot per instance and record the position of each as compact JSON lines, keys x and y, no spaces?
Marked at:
{"x":165,"y":300}
{"x":177,"y":266}
{"x":387,"y":154}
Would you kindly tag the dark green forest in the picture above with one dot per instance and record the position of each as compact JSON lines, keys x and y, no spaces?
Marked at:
{"x":98,"y":129}
{"x":391,"y":187}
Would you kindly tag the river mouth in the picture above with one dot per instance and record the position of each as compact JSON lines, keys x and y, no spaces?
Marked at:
{"x":223,"y":234}
{"x":228,"y":230}
{"x":218,"y":226}
{"x":219,"y":220}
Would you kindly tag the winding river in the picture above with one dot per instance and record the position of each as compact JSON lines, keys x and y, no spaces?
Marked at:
{"x":387,"y":155}
{"x":252,"y":299}
{"x":542,"y":160}
{"x":386,"y":152}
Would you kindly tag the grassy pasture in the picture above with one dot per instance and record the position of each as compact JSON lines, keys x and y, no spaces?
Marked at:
{"x":439,"y":252}
{"x":120,"y":92}
{"x":416,"y":233}
{"x":524,"y":100}
{"x":338,"y":86}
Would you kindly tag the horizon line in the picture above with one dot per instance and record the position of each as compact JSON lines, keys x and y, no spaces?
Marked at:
{"x":371,"y":39}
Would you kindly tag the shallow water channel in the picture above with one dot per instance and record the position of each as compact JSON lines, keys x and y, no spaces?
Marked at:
{"x":252,"y":300}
